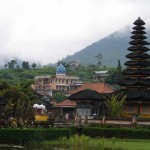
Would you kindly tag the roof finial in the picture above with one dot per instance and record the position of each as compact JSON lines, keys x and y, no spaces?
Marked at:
{"x":139,"y":17}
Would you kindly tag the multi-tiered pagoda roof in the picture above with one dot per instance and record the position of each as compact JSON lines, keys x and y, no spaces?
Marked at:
{"x":136,"y":84}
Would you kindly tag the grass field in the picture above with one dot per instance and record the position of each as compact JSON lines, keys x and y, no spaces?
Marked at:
{"x":86,"y":143}
{"x":124,"y":144}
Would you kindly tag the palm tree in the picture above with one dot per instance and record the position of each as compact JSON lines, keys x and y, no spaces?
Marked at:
{"x":115,"y":104}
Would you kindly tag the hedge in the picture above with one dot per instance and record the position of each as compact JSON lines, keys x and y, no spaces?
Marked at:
{"x":116,"y":132}
{"x":22,"y":136}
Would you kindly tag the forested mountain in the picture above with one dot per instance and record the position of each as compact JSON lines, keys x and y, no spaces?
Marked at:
{"x":112,"y":48}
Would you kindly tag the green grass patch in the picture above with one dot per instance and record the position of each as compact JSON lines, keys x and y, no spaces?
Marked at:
{"x":86,"y":143}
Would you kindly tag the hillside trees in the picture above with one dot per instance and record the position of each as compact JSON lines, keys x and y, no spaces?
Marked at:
{"x":25,"y":65}
{"x":99,"y":59}
{"x":13,"y":64}
{"x":34,"y":65}
{"x":85,"y":73}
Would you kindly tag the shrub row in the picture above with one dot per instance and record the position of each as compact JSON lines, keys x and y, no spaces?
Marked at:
{"x":22,"y":136}
{"x":116,"y":132}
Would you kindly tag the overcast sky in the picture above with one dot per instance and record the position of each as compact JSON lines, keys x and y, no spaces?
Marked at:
{"x":47,"y":30}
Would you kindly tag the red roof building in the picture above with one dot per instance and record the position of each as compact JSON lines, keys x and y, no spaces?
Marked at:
{"x":71,"y":106}
{"x":66,"y":103}
{"x":99,"y":87}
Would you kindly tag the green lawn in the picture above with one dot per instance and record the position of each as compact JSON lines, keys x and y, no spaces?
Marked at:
{"x":86,"y":143}
{"x":125,"y":144}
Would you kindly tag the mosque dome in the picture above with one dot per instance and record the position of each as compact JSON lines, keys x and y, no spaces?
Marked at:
{"x":60,"y":70}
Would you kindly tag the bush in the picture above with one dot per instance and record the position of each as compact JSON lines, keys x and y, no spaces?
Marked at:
{"x":116,"y":132}
{"x":22,"y":136}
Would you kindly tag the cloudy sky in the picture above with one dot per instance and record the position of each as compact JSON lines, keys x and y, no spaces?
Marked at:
{"x":45,"y":31}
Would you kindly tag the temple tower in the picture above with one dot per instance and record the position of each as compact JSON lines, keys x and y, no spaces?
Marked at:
{"x":137,"y":72}
{"x":136,"y":83}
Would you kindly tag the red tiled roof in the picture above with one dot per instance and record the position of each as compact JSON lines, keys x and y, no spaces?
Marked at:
{"x":99,"y":87}
{"x":66,"y":103}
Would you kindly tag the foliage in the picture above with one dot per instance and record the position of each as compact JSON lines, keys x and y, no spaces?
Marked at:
{"x":20,"y":100}
{"x":11,"y":64}
{"x":25,"y":65}
{"x":87,"y":143}
{"x":20,"y":136}
{"x":25,"y":73}
{"x":34,"y":65}
{"x":116,"y":132}
{"x":99,"y":59}
{"x":119,"y":66}
{"x":58,"y":97}
{"x":115,"y":104}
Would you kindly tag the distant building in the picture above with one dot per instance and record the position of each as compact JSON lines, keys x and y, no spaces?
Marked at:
{"x":74,"y":64}
{"x":47,"y":85}
{"x":101,"y":75}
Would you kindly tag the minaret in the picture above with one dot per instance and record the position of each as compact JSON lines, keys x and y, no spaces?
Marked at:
{"x":137,"y":71}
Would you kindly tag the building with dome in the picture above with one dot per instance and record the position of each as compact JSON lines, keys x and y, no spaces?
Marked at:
{"x":47,"y":85}
{"x":60,"y":70}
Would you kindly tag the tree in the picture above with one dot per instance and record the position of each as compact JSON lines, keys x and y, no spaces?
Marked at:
{"x":119,"y":66}
{"x":4,"y":85}
{"x":19,"y":100}
{"x":6,"y":65}
{"x":25,"y":65}
{"x":115,"y":104}
{"x":34,"y":65}
{"x":8,"y":112}
{"x":99,"y":59}
{"x":11,"y":64}
{"x":58,"y":97}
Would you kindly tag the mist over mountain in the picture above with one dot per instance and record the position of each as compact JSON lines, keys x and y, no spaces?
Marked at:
{"x":112,"y":47}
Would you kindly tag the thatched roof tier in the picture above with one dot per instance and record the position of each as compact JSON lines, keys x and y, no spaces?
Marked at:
{"x":86,"y":95}
{"x":137,"y":63}
{"x":138,"y":32}
{"x":139,"y":21}
{"x":138,"y":48}
{"x":138,"y":56}
{"x":138,"y":42}
{"x":135,"y":95}
{"x":138,"y":27}
{"x":142,"y":37}
{"x":135,"y":82}
{"x":145,"y":72}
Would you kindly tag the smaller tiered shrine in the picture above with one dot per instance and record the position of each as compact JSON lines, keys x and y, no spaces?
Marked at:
{"x":136,"y":84}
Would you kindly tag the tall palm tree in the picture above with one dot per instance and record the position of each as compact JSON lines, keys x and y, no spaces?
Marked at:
{"x":115,"y":104}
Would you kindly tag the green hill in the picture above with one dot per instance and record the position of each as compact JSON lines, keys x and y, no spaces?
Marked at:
{"x":112,"y":47}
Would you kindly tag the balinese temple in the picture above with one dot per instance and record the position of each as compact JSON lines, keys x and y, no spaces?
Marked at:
{"x":89,"y":103}
{"x":90,"y":99}
{"x":136,"y":83}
